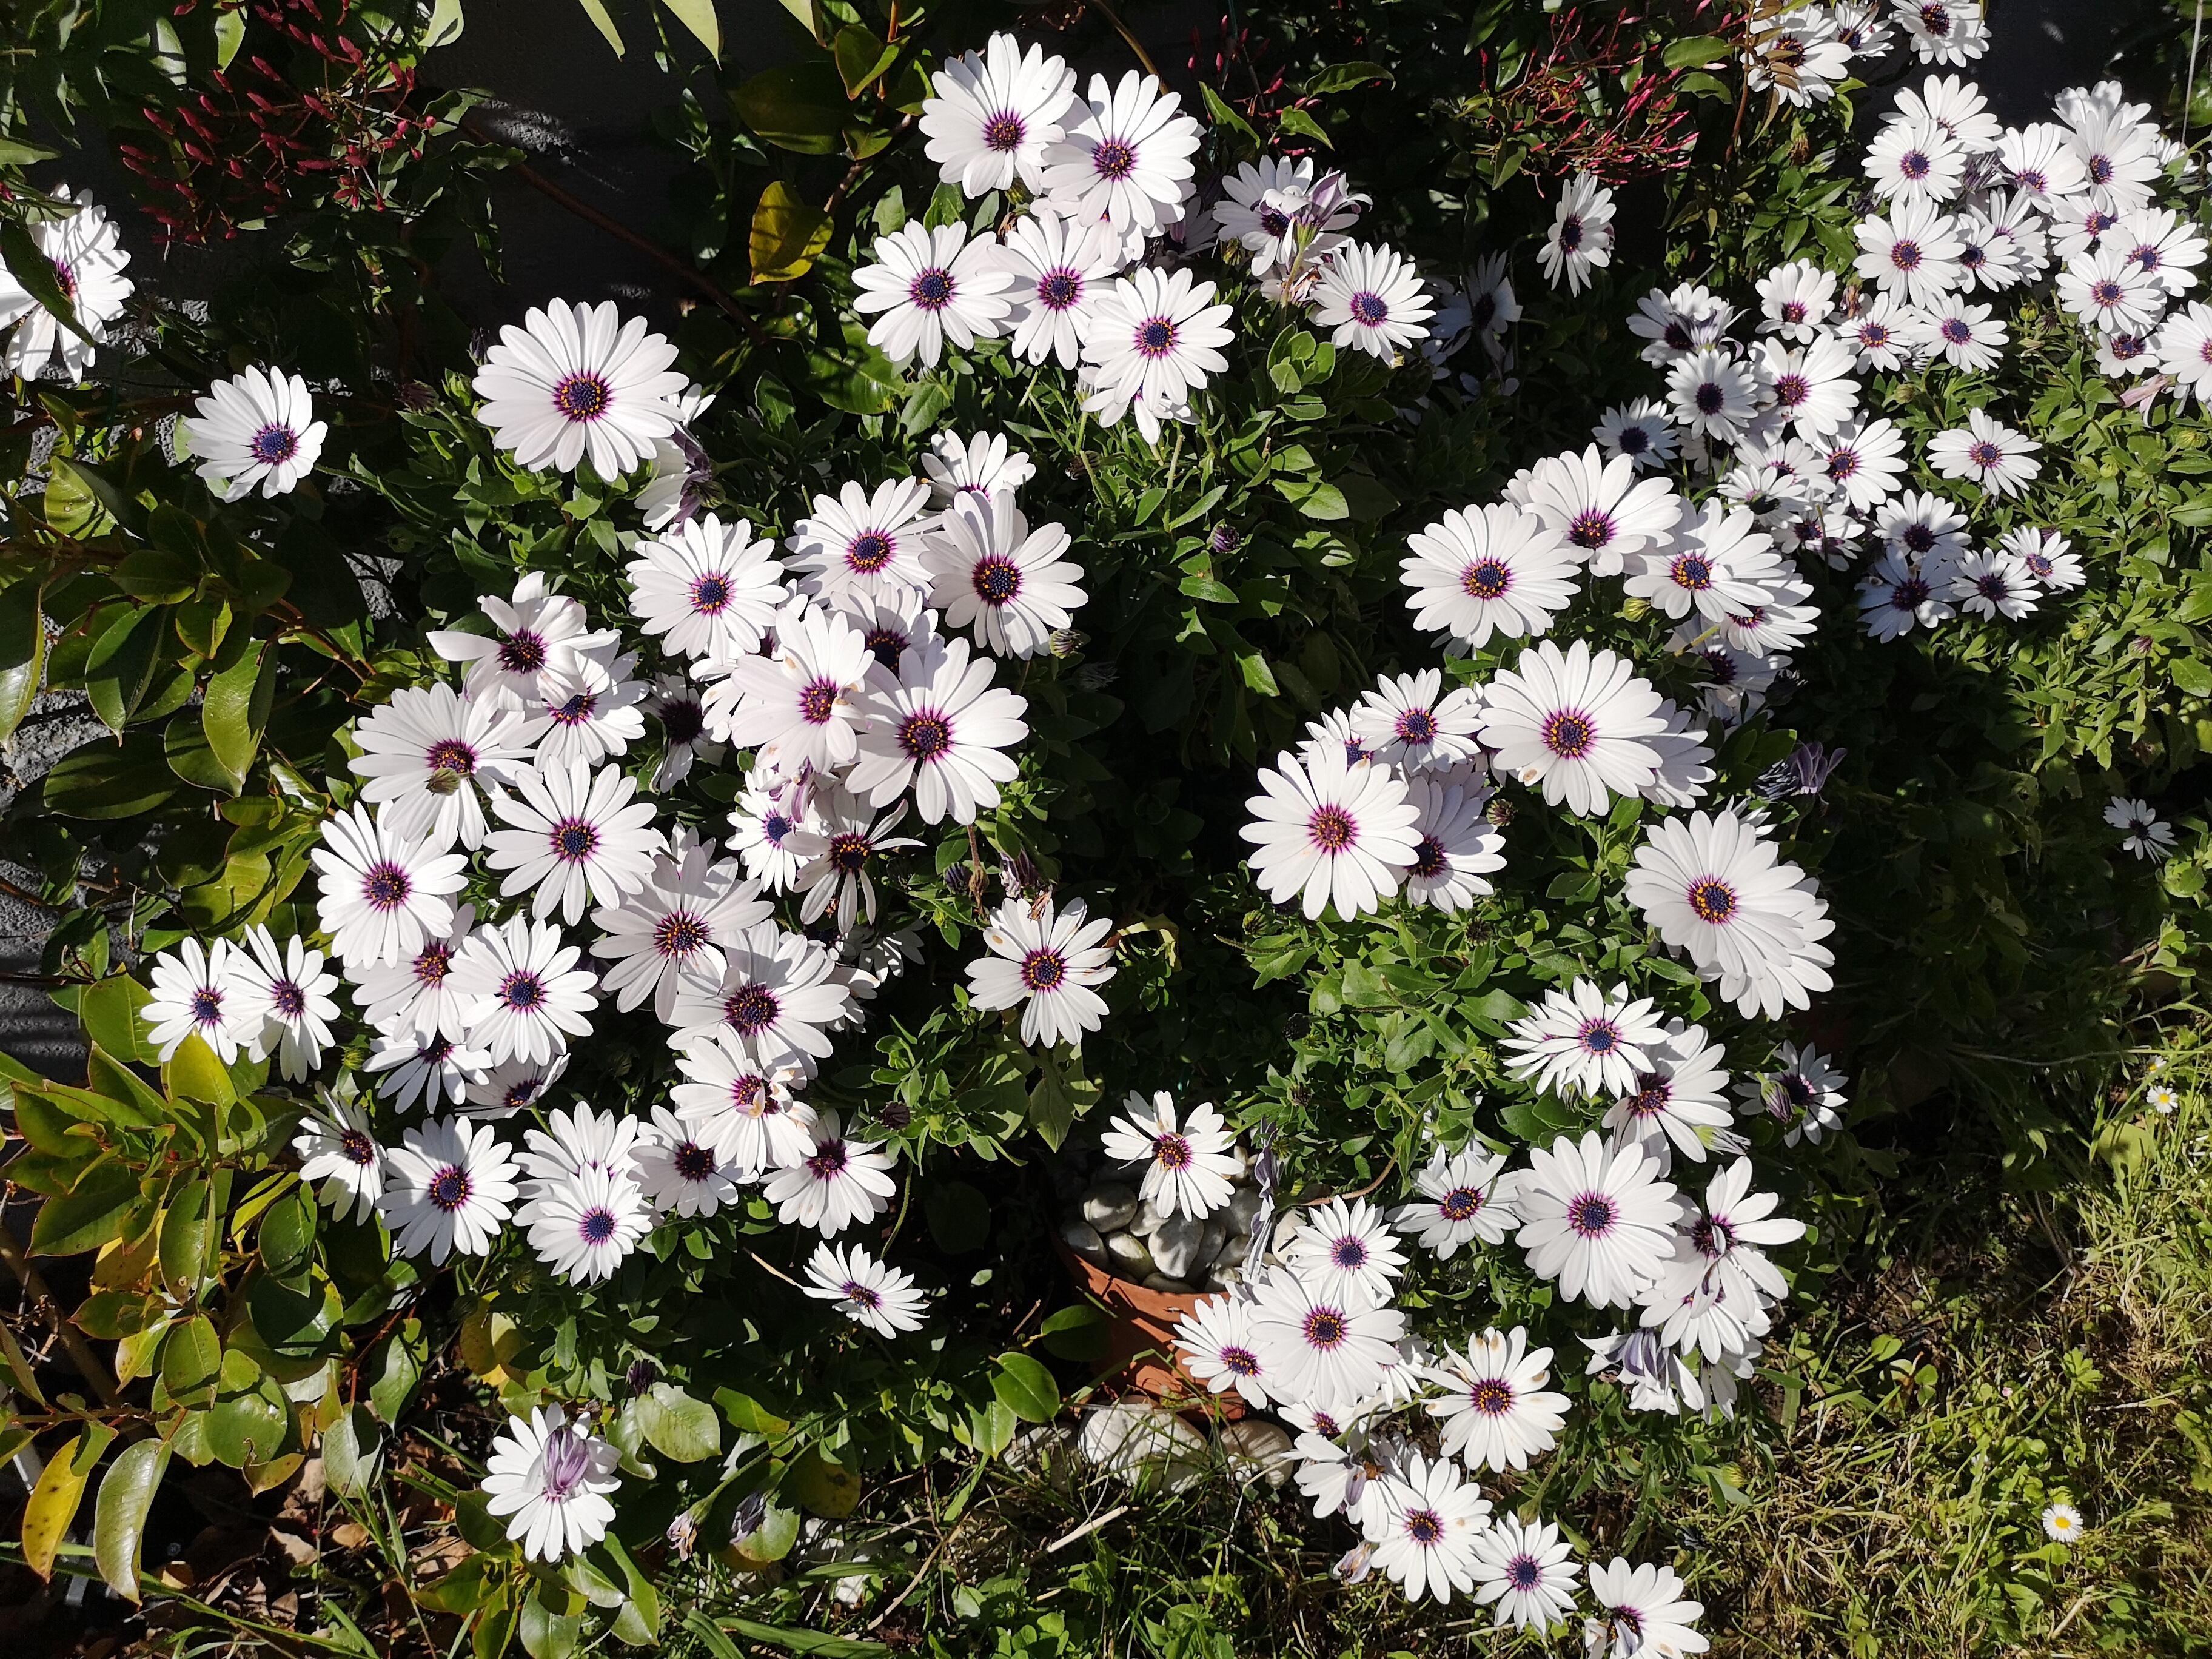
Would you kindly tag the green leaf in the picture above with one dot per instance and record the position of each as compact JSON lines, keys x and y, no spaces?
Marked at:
{"x":86,"y":1217}
{"x":249,"y":1427}
{"x":287,"y":1234}
{"x":236,"y":709}
{"x":108,"y":1011}
{"x":1342,"y":77}
{"x":796,"y":106}
{"x":1077,"y":1333}
{"x":36,"y":274}
{"x":110,"y":781}
{"x":677,"y":1425}
{"x":189,"y":1245}
{"x":121,"y":664}
{"x":860,"y":57}
{"x":353,"y":1452}
{"x":1026,"y":1388}
{"x":698,"y":16}
{"x":1226,"y":116}
{"x":396,"y":1365}
{"x":193,"y":1071}
{"x":1295,"y":119}
{"x":824,"y":1487}
{"x":748,"y":1416}
{"x":22,"y":653}
{"x":638,"y":1622}
{"x":787,"y":234}
{"x":854,"y":377}
{"x":2190,"y":675}
{"x":118,"y":1517}
{"x":54,"y":1500}
{"x":814,"y":1643}
{"x":597,"y":11}
{"x":1696,"y":51}
{"x":547,"y":1634}
{"x":192,"y":1359}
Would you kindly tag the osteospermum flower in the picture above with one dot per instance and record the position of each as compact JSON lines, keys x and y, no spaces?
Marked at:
{"x":942,"y":730}
{"x":1991,"y":584}
{"x":1463,"y":1197}
{"x":1425,"y":1534}
{"x":2162,"y":245}
{"x":863,"y":544}
{"x":285,"y":1001}
{"x":1967,"y":336}
{"x":834,"y":1182}
{"x":1126,"y":156}
{"x":802,"y":706}
{"x":1188,"y":1163}
{"x":2143,"y":833}
{"x":675,"y":927}
{"x":527,"y":993}
{"x":1267,"y":204}
{"x":1060,"y":269}
{"x":1331,"y":832}
{"x":423,"y":1069}
{"x":575,"y":380}
{"x":1580,"y":1042}
{"x":989,"y":571}
{"x":1809,"y":387}
{"x":1987,"y":450}
{"x":1595,"y":1216}
{"x":681,"y":1171}
{"x":995,"y":112}
{"x":1913,"y":253}
{"x":1599,"y":508}
{"x":1639,"y":431}
{"x":1914,"y":161}
{"x":1641,"y":1611}
{"x":584,"y":1224}
{"x":1371,"y":299}
{"x":1577,"y":723}
{"x":337,"y":1147}
{"x":1682,"y":1099}
{"x":866,"y":1291}
{"x":1327,"y":1353}
{"x":255,"y":431}
{"x":743,"y":1104}
{"x":1680,"y":321}
{"x":574,"y":833}
{"x":1154,"y":339}
{"x":778,"y":996}
{"x":1455,"y":846}
{"x":2184,"y":351}
{"x":1409,"y":721}
{"x":1496,"y":1411}
{"x":1345,"y":1252}
{"x":195,"y":993}
{"x":1580,"y":240}
{"x":709,"y":590}
{"x":1216,"y":1344}
{"x":1865,"y":461}
{"x":979,"y":464}
{"x":1711,"y":394}
{"x":766,"y":815}
{"x":932,"y":287}
{"x":1713,"y":1293}
{"x":594,"y":721}
{"x":85,"y":250}
{"x":2119,"y":152}
{"x":2047,"y":556}
{"x":448,"y":1186}
{"x":1528,"y":1570}
{"x":553,"y":1477}
{"x":1795,"y":300}
{"x":383,"y":894}
{"x":1489,"y":569}
{"x":1720,"y":563}
{"x":1045,"y":961}
{"x":1799,"y":1090}
{"x":428,"y":754}
{"x":1713,"y":887}
{"x":501,"y":1091}
{"x":415,"y":994}
{"x":840,"y":855}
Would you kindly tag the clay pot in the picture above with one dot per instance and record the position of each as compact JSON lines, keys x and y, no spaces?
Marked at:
{"x":1141,"y":1323}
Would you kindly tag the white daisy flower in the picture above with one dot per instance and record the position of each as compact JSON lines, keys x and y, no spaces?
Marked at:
{"x":1682,"y":1099}
{"x":990,"y":573}
{"x":675,"y":927}
{"x":1425,"y":1536}
{"x":575,"y":834}
{"x":1600,"y":508}
{"x":981,"y":464}
{"x":1795,"y":300}
{"x":416,"y":995}
{"x":1489,"y":569}
{"x":2048,"y":556}
{"x":1989,"y":258}
{"x":427,"y":755}
{"x":1045,"y":962}
{"x":1126,"y":158}
{"x":501,"y":1091}
{"x":1713,"y":1292}
{"x":1496,"y":1411}
{"x":2120,"y":155}
{"x":1800,"y":1090}
{"x":682,"y":1172}
{"x":1722,"y":562}
{"x":1709,"y":394}
{"x":553,"y":1479}
{"x":1344,"y":1253}
{"x":579,"y":1140}
{"x":86,"y":251}
{"x":863,"y":544}
{"x":2162,"y":245}
{"x":2109,"y":292}
{"x":1578,"y":723}
{"x":1642,"y":1614}
{"x":2040,"y":159}
{"x":1912,"y":253}
{"x":1989,"y":453}
{"x":1216,"y":1344}
{"x":383,"y":894}
{"x":422,"y":1070}
{"x":1326,"y":1354}
{"x":2062,"y":1523}
{"x":2143,"y":833}
{"x":2119,"y":355}
{"x":200,"y":991}
{"x":2184,"y":351}
{"x":1581,"y":237}
{"x":449,"y":1186}
{"x":1371,"y":299}
{"x":286,"y":1002}
{"x":543,"y":650}
{"x":1596,"y":1217}
{"x":257,"y":429}
{"x":1923,"y":525}
{"x":1330,"y":832}
{"x":1939,"y":32}
{"x":528,"y":996}
{"x":803,"y":707}
{"x":1267,"y":205}
{"x":1153,"y":340}
{"x":941,"y":730}
{"x":1967,"y":337}
{"x":1682,"y":321}
{"x":2077,"y":228}
{"x":834,"y":1182}
{"x":1580,"y":1042}
{"x":1880,"y":331}
{"x":866,"y":1291}
{"x":710,"y":590}
{"x":1060,"y":268}
{"x":1188,"y":1163}
{"x":1799,"y":56}
{"x":1713,"y":887}
{"x":1809,"y":387}
{"x":337,"y":1147}
{"x":767,"y":814}
{"x":1911,"y":160}
{"x":1464,"y":1196}
{"x":838,"y":856}
{"x":1639,"y":431}
{"x":593,"y":722}
{"x":577,"y":380}
{"x":994,"y":113}
{"x":1528,"y":1570}
{"x":2162,"y":1099}
{"x":932,"y":287}
{"x":1991,"y":584}
{"x":1863,"y":26}
{"x":1410,"y":722}
{"x":745,"y":1107}
{"x":1455,"y":846}
{"x":583,"y":1224}
{"x":777,"y":997}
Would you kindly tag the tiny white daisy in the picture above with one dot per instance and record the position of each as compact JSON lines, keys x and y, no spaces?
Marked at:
{"x":257,"y":429}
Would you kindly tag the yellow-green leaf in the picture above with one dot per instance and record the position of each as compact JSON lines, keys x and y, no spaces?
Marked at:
{"x":597,"y":11}
{"x":788,"y":235}
{"x":118,"y":1517}
{"x":698,"y":16}
{"x":236,"y":709}
{"x":55,"y":1499}
{"x":194,"y":1072}
{"x":22,"y":653}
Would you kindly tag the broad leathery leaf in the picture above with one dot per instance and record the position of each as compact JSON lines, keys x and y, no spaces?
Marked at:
{"x":1295,"y":119}
{"x":1026,"y":1388}
{"x":188,"y":1239}
{"x":89,"y":1214}
{"x":191,"y":1358}
{"x":107,"y":780}
{"x":55,"y":1499}
{"x":397,"y":1369}
{"x":860,"y":58}
{"x":547,"y":1634}
{"x":597,"y":11}
{"x":1342,"y":77}
{"x":194,"y":1072}
{"x":796,"y":106}
{"x":698,"y":16}
{"x":677,"y":1425}
{"x":121,"y":664}
{"x":638,"y":1622}
{"x":856,"y":377}
{"x":823,"y":1488}
{"x":118,"y":1517}
{"x":109,"y":1013}
{"x":236,"y":708}
{"x":787,"y":234}
{"x":22,"y":653}
{"x":1696,"y":51}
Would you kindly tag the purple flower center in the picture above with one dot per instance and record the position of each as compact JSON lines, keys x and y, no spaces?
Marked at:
{"x":818,"y":701}
{"x":751,"y":1009}
{"x":574,"y":841}
{"x":1156,"y":336}
{"x":1525,"y":1573}
{"x":828,"y":1160}
{"x":932,"y":290}
{"x":582,"y":397}
{"x":596,"y":1226}
{"x":433,"y":965}
{"x":274,"y":445}
{"x":206,"y":1006}
{"x":684,"y":721}
{"x":1592,"y":528}
{"x":709,"y":594}
{"x":1348,"y":1253}
{"x":1904,"y":253}
{"x":1460,"y":1204}
{"x":1957,"y":331}
{"x":1112,"y":159}
{"x":1326,"y":1328}
{"x":385,"y":886}
{"x":1599,"y":1036}
{"x":848,"y":852}
{"x":287,"y":999}
{"x":1711,"y":900}
{"x":1332,"y":830}
{"x":1491,"y":1397}
{"x":1370,"y":309}
{"x":1569,"y":733}
{"x":449,"y":1188}
{"x":1425,"y":1527}
{"x":996,"y":579}
{"x":451,"y":754}
{"x":1693,"y":572}
{"x":1592,"y":1215}
{"x":925,"y":736}
{"x":1985,"y":454}
{"x":1485,"y":579}
{"x":1571,"y":233}
{"x":357,"y":1147}
{"x":1429,"y":859}
{"x":1044,"y":970}
{"x":1918,"y":538}
{"x":1417,"y":726}
{"x":1004,"y":132}
{"x":522,"y":654}
{"x":692,"y":1161}
{"x":1059,"y":288}
{"x":678,"y":934}
{"x":523,"y":992}
{"x":567,"y":1456}
{"x":870,"y":551}
{"x":1172,"y":1153}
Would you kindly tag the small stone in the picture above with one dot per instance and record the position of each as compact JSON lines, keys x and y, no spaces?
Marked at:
{"x":1124,"y":1439}
{"x":1223,"y":1279}
{"x":1083,"y":1239}
{"x":1211,"y":1240}
{"x":1175,"y":1245}
{"x":1287,"y":1227}
{"x":1172,"y":1286}
{"x":1107,"y":1206}
{"x":1242,"y":1207}
{"x":1258,"y":1448}
{"x":1130,"y":1258}
{"x":1147,"y":1220}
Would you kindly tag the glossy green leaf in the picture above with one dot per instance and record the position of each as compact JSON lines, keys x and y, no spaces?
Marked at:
{"x":787,"y":234}
{"x":677,"y":1425}
{"x":796,"y":106}
{"x":188,"y":1248}
{"x":118,"y":1523}
{"x":1026,"y":1388}
{"x":698,"y":16}
{"x":286,"y":1233}
{"x":861,"y":58}
{"x":192,"y":1359}
{"x":54,"y":1501}
{"x":35,"y":273}
{"x":22,"y":653}
{"x":105,"y":780}
{"x":89,"y":1214}
{"x":597,"y":11}
{"x":394,"y":1367}
{"x":121,"y":666}
{"x":236,"y":709}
